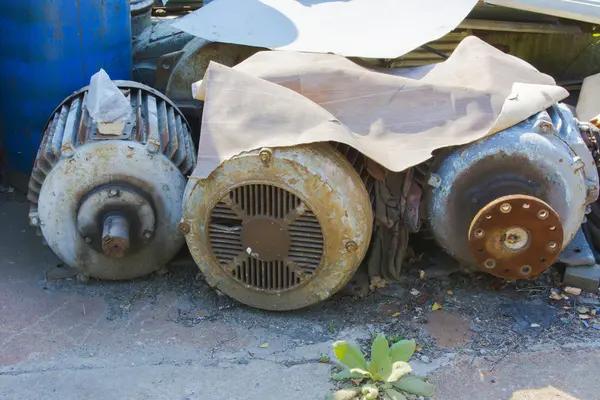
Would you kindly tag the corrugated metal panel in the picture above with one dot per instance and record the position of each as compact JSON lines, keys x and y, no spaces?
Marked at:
{"x":420,"y":56}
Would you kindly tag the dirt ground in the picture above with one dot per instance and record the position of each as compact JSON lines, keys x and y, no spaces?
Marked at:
{"x":172,"y":337}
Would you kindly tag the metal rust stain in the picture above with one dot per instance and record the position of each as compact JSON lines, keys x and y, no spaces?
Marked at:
{"x":516,"y":237}
{"x":329,"y":212}
{"x":74,"y":160}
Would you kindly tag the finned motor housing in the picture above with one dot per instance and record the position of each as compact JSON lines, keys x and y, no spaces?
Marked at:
{"x":109,"y":205}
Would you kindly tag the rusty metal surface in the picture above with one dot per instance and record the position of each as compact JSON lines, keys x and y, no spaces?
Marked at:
{"x":280,"y":228}
{"x":82,"y":179}
{"x":266,"y":237}
{"x":115,"y":235}
{"x":102,"y":201}
{"x":515,"y":237}
{"x":361,"y":164}
{"x":59,"y":137}
{"x":544,"y":157}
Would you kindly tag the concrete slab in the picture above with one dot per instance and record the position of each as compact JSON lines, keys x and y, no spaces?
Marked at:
{"x":586,"y":278}
{"x":172,"y":337}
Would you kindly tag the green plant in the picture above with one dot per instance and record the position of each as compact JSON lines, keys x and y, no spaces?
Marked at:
{"x":387,"y":373}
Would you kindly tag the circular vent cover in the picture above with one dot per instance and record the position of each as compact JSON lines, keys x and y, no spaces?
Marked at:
{"x":280,"y":232}
{"x":266,"y":237}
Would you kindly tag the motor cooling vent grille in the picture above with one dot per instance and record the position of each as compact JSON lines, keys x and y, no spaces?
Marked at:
{"x":266,"y":237}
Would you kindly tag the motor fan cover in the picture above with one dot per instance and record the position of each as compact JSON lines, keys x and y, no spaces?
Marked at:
{"x":281,"y":228}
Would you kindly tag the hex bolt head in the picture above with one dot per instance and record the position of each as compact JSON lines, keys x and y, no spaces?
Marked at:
{"x":265,"y":156}
{"x":434,"y":180}
{"x":147,"y":234}
{"x":351,"y":246}
{"x":153,"y":146}
{"x":34,"y":221}
{"x":113,"y":193}
{"x":184,"y":227}
{"x":88,"y":239}
{"x":545,"y":128}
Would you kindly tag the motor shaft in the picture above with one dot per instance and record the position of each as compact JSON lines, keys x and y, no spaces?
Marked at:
{"x":115,"y":236}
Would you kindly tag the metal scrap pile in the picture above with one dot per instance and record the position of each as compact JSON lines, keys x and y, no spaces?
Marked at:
{"x":310,"y":164}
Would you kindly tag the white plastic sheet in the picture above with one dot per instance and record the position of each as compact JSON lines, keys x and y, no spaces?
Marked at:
{"x":361,"y":28}
{"x":107,"y":105}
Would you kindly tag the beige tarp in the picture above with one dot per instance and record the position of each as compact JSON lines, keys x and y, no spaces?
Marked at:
{"x":589,"y":98}
{"x":361,"y":28}
{"x":397,"y":117}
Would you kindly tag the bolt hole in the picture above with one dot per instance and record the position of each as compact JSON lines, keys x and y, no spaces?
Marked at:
{"x":488,"y":217}
{"x":479,"y":233}
{"x":526,"y":205}
{"x":552,"y":228}
{"x":480,"y":249}
{"x":552,"y":246}
{"x":577,"y":251}
{"x":542,"y":214}
{"x":506,"y":271}
{"x":525,"y":269}
{"x":543,"y":260}
{"x":505,"y":208}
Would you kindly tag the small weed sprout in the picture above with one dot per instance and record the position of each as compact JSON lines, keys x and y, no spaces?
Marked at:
{"x":387,"y":374}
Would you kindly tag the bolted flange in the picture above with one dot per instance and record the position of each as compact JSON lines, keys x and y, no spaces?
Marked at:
{"x":516,"y":236}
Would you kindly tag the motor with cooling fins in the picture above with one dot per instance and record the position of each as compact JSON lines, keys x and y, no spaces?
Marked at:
{"x":109,"y":205}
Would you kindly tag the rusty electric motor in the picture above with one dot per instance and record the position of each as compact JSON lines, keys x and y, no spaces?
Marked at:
{"x":509,"y":204}
{"x":109,"y":205}
{"x":280,"y":228}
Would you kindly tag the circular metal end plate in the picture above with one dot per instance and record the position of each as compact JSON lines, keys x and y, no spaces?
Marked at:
{"x":282,"y":231}
{"x":266,"y":237}
{"x":516,"y":237}
{"x":153,"y":236}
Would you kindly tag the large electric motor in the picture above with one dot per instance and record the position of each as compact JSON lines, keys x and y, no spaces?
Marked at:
{"x":109,"y":206}
{"x":509,"y":204}
{"x":282,"y":228}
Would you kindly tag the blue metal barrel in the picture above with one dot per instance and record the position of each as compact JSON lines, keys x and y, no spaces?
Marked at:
{"x":49,"y":49}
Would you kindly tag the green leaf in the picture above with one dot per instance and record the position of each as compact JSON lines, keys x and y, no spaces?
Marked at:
{"x":392,"y":394}
{"x":354,"y":373}
{"x":415,"y":385}
{"x":399,"y":369}
{"x":349,"y":354}
{"x":344,"y":394}
{"x":403,"y":350}
{"x":380,"y":366}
